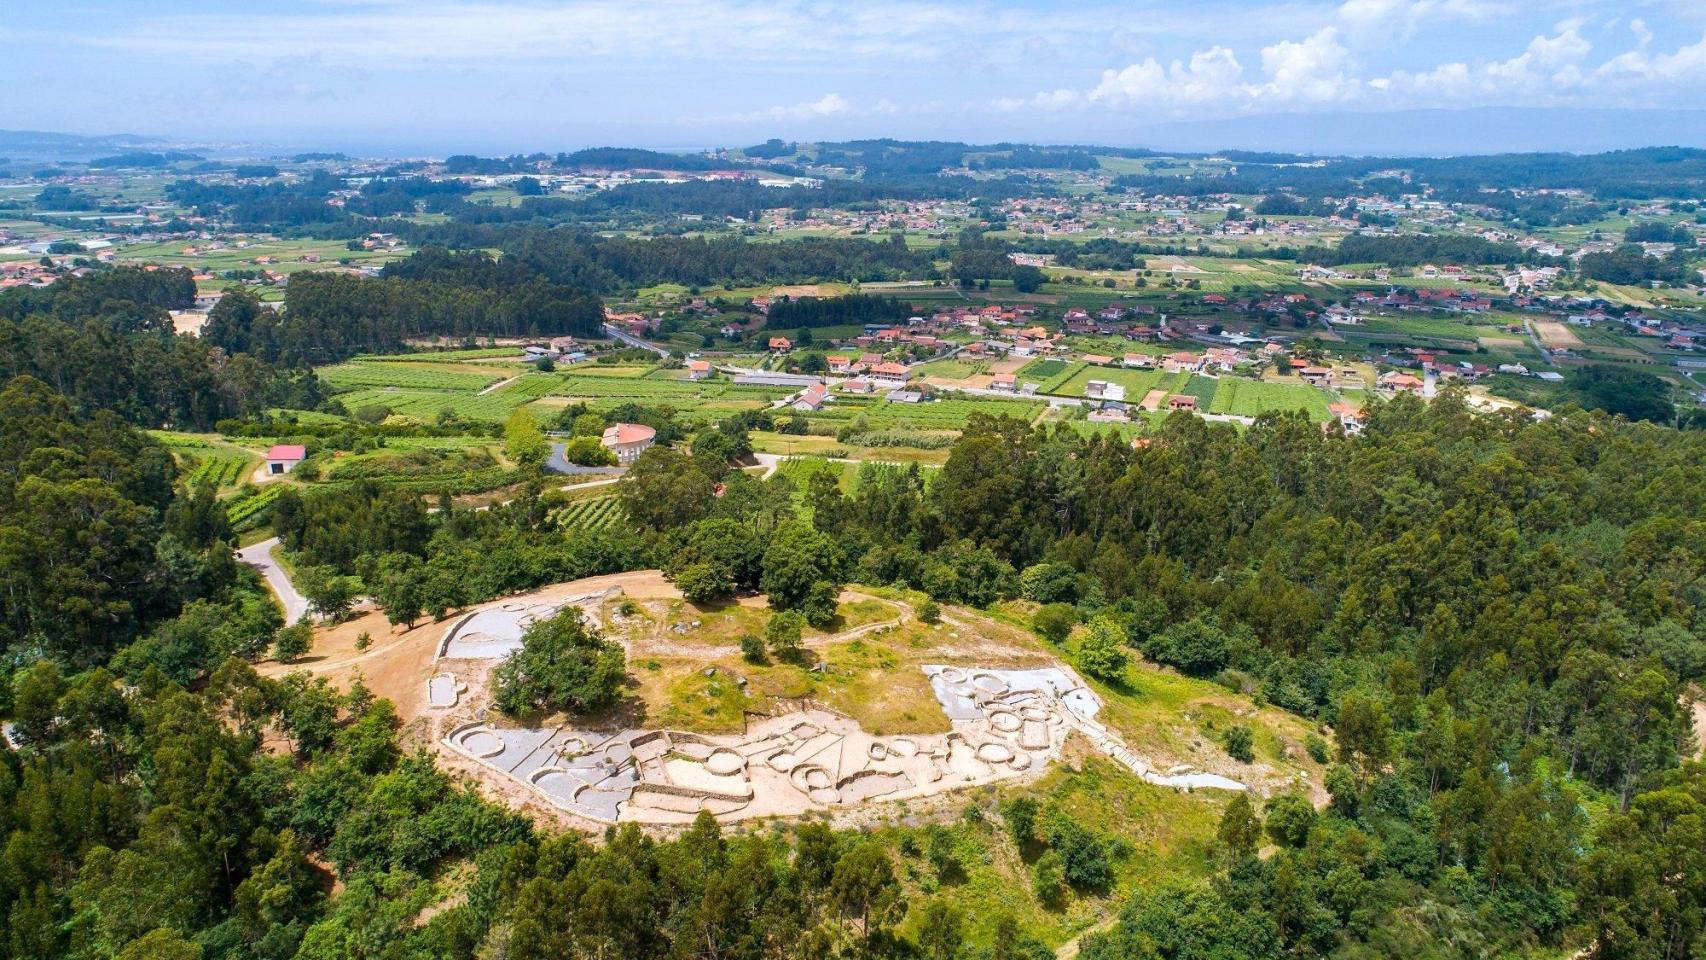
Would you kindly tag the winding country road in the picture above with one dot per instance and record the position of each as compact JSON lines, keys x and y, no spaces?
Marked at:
{"x":260,"y":555}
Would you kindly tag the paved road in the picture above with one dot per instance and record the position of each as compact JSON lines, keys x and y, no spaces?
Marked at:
{"x":557,"y":464}
{"x":634,"y":341}
{"x":1534,"y":338}
{"x":260,"y":555}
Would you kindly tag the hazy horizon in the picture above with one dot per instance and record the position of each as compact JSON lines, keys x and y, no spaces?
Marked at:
{"x":465,"y":75}
{"x":1435,"y":133}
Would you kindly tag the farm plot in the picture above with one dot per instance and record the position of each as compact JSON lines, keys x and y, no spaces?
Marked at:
{"x":950,"y":414}
{"x":603,"y":393}
{"x":1136,"y":382}
{"x":248,"y":509}
{"x":1203,"y":388}
{"x":222,"y":468}
{"x":204,"y":460}
{"x":411,"y":376}
{"x":443,"y":356}
{"x":953,"y":369}
{"x":800,"y":470}
{"x":427,"y":404}
{"x":593,"y":513}
{"x":1044,"y":369}
{"x":1251,"y":398}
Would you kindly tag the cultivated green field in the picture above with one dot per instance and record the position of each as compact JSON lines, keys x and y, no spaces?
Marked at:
{"x":1250,"y":398}
{"x":592,"y":513}
{"x":412,"y":376}
{"x":1136,"y":382}
{"x":205,"y":459}
{"x":946,"y":414}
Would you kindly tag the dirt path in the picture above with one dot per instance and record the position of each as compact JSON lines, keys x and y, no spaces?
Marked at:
{"x":397,"y":662}
{"x":1070,"y":948}
{"x":498,"y":386}
{"x":656,"y":647}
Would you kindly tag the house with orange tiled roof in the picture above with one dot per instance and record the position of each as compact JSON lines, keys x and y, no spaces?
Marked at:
{"x":891,"y":373}
{"x":1397,"y":381}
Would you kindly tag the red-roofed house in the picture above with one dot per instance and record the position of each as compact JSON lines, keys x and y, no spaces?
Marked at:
{"x":811,"y":398}
{"x":1181,"y":401}
{"x":628,"y":440}
{"x":892,"y":373}
{"x":1397,"y":380}
{"x":1004,"y":381}
{"x":283,"y":458}
{"x":781,"y":344}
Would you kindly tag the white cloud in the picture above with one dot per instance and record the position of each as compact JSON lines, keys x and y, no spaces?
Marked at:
{"x":1314,"y":70}
{"x":1211,"y":76}
{"x":1380,"y":19}
{"x":1641,"y":66}
{"x":1322,"y":70}
{"x":1548,"y":71}
{"x":481,"y":30}
{"x":827,"y":105}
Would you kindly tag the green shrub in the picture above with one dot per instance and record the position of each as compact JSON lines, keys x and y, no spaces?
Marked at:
{"x":1316,"y":747}
{"x":1239,"y":743}
{"x":752,"y":649}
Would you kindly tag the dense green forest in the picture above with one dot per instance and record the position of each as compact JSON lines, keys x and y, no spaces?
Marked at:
{"x":105,"y":343}
{"x":1624,"y":174}
{"x":1417,"y":249}
{"x":835,"y":311}
{"x":328,"y":317}
{"x":610,"y":264}
{"x":1498,"y":617}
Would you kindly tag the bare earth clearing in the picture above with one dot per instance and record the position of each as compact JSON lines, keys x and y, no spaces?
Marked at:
{"x":863,"y":695}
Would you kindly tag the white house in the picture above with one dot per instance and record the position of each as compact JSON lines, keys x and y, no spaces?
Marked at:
{"x":284,"y":458}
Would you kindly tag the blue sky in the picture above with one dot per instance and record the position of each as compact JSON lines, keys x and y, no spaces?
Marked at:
{"x":442,"y":75}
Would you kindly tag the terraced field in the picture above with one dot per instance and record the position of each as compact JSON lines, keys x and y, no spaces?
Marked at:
{"x":593,"y":513}
{"x":201,"y":460}
{"x":248,"y":508}
{"x":220,"y":468}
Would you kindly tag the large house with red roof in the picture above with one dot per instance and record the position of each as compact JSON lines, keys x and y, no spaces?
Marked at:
{"x":628,"y":440}
{"x":890,"y":373}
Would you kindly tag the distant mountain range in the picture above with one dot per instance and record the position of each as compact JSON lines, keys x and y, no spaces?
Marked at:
{"x":38,"y":145}
{"x":1406,"y":133}
{"x":1432,"y":133}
